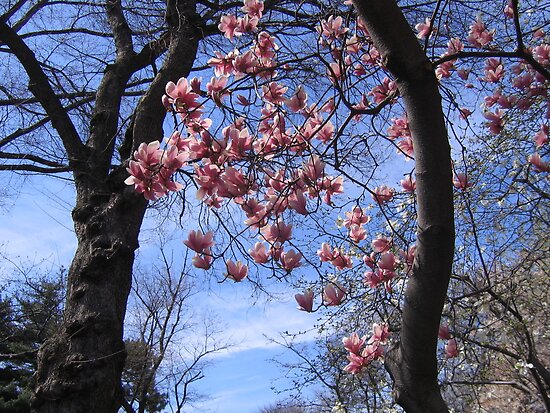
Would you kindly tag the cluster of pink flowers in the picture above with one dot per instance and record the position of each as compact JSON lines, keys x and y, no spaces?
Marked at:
{"x":152,"y":169}
{"x":360,"y":357}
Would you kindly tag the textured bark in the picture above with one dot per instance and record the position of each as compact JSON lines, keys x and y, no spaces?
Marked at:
{"x":79,"y":369}
{"x":412,"y":363}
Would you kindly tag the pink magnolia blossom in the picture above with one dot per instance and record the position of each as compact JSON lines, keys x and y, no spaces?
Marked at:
{"x":373,"y":278}
{"x":383,"y":91}
{"x":297,"y":201}
{"x":332,"y":28}
{"x":183,"y":98}
{"x":340,"y":260}
{"x":245,"y":25}
{"x":353,"y":44}
{"x":332,"y":186}
{"x":236,"y":271}
{"x":334,"y":294}
{"x":423,"y":29}
{"x":494,"y":70}
{"x":538,"y":164}
{"x":406,"y":147}
{"x":259,"y":253}
{"x":408,"y":256}
{"x":223,"y":65}
{"x":383,"y":194}
{"x":381,"y":244}
{"x":298,"y":101}
{"x":356,"y":363}
{"x":451,"y":349}
{"x":198,"y":241}
{"x":357,"y":233}
{"x":399,"y":128}
{"x":460,"y":181}
{"x":325,"y":253}
{"x":278,"y":232}
{"x":228,"y":25}
{"x":353,"y":343}
{"x":479,"y":36}
{"x":380,"y":333}
{"x":387,"y":262}
{"x":253,"y":8}
{"x":290,"y":260}
{"x":370,"y":260}
{"x":203,"y":261}
{"x":265,"y":47}
{"x":274,"y":93}
{"x":357,"y":216}
{"x":509,"y":10}
{"x":495,"y":121}
{"x":408,"y":184}
{"x":305,"y":301}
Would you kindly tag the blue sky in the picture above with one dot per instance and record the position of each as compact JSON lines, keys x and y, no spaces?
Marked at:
{"x":36,"y":227}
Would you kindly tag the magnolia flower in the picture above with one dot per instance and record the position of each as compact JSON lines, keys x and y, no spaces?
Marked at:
{"x":236,"y":271}
{"x":334,"y":294}
{"x":198,"y":241}
{"x":451,"y":349}
{"x":353,"y":343}
{"x":305,"y":301}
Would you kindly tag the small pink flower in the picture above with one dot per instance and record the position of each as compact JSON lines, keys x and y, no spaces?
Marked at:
{"x":253,"y":8}
{"x":479,"y":36}
{"x":381,"y":244}
{"x":228,"y":24}
{"x":334,"y":294}
{"x":325,"y":253}
{"x":423,"y":29}
{"x":298,"y":101}
{"x":278,"y":232}
{"x":341,"y":261}
{"x":353,"y":343}
{"x":259,"y":253}
{"x":380,"y":333}
{"x":383,"y":194}
{"x":290,"y":260}
{"x":408,"y":184}
{"x":357,"y":216}
{"x":541,"y":137}
{"x":357,"y":233}
{"x":199,"y":242}
{"x":236,"y":271}
{"x":356,"y":363}
{"x":305,"y":301}
{"x":203,"y":261}
{"x":332,"y":28}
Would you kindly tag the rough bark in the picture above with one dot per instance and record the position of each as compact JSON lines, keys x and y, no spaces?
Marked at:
{"x":412,"y":363}
{"x":79,"y":368}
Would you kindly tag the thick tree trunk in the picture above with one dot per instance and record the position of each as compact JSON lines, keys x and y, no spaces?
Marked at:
{"x":413,"y":363}
{"x":79,"y":369}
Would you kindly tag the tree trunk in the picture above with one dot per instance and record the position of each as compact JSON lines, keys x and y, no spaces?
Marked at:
{"x":79,"y":369}
{"x":412,"y":363}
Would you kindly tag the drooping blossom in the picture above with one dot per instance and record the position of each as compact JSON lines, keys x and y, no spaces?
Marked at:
{"x":334,"y":294}
{"x":298,"y":101}
{"x":382,"y":194}
{"x":198,"y":241}
{"x":495,"y":121}
{"x":236,"y":271}
{"x":305,"y":301}
{"x":357,"y":233}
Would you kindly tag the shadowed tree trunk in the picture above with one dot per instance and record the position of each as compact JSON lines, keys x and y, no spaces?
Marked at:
{"x":79,"y":368}
{"x":412,"y":362}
